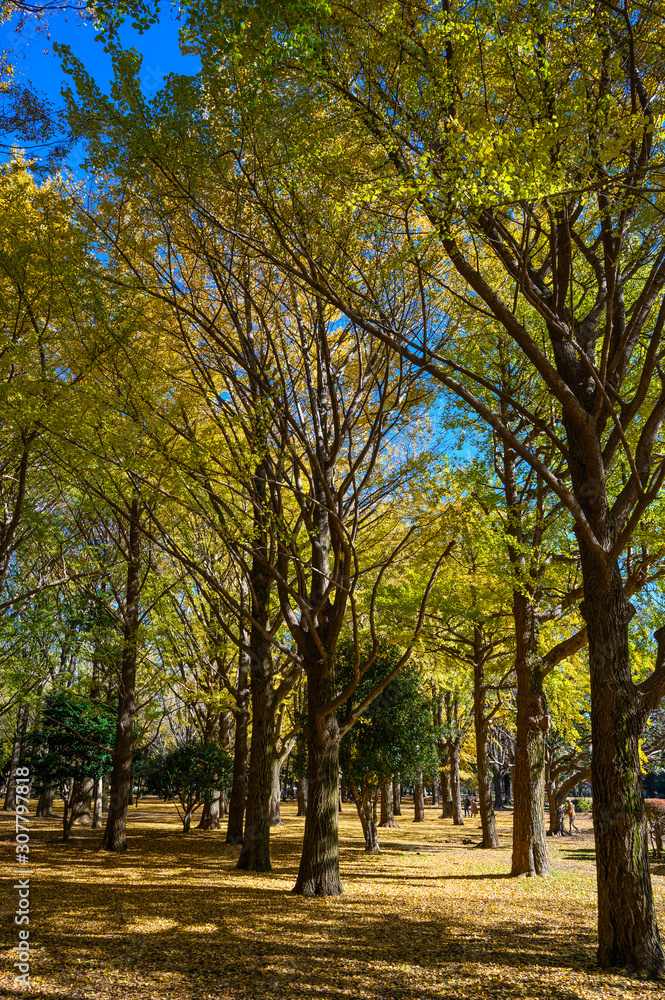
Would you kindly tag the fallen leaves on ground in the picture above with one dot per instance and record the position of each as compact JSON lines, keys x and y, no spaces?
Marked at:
{"x":429,"y":917}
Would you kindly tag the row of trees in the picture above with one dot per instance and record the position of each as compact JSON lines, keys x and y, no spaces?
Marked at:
{"x":359,"y":230}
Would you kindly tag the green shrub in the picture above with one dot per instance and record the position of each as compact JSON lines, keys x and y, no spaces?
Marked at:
{"x":582,"y":805}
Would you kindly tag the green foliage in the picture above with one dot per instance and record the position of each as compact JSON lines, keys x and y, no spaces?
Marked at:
{"x":395,"y":733}
{"x":189,"y":774}
{"x":583,"y":805}
{"x":74,"y":741}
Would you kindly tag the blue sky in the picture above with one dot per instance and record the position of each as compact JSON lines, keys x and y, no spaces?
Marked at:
{"x":34,"y":60}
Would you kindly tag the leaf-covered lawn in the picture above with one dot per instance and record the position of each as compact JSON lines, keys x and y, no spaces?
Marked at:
{"x":431,"y":917}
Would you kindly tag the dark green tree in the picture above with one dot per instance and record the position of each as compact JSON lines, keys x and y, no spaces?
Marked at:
{"x":74,"y":741}
{"x":394,"y":734}
{"x":189,"y":774}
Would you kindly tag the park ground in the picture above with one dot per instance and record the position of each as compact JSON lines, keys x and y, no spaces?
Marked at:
{"x":430,"y":917}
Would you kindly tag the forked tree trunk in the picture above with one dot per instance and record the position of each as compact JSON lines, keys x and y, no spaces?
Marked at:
{"x":453,"y":758}
{"x":302,"y":796}
{"x":366,"y":804}
{"x":419,"y":799}
{"x":318,"y":873}
{"x":387,"y":814}
{"x":115,"y":834}
{"x":397,"y":797}
{"x":530,"y":855}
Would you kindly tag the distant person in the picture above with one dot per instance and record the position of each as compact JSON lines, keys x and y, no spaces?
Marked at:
{"x":467,"y":805}
{"x":570,"y":813}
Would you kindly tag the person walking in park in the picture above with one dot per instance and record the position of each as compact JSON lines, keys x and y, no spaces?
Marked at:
{"x":570,"y":813}
{"x":467,"y":805}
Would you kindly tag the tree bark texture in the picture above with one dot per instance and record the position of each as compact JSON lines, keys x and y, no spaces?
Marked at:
{"x":318,"y":873}
{"x":302,"y":796}
{"x":81,"y":810}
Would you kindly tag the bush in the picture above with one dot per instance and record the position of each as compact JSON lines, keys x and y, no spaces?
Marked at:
{"x":583,"y":805}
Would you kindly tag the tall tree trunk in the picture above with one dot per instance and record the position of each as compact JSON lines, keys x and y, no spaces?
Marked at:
{"x":453,"y":758}
{"x":627,"y":928}
{"x":255,"y":853}
{"x":234,"y":832}
{"x":387,"y":814}
{"x":318,"y":873}
{"x":419,"y":799}
{"x":115,"y":834}
{"x":210,"y":811}
{"x":302,"y":796}
{"x":530,"y":856}
{"x":19,"y":736}
{"x":487,"y":818}
{"x":397,"y":797}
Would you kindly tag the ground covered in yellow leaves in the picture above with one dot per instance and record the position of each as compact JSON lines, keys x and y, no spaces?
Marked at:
{"x":430,"y":917}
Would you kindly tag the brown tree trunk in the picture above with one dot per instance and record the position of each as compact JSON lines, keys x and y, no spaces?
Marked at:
{"x":627,"y":928}
{"x":115,"y":834}
{"x":397,"y":797}
{"x":530,"y":855}
{"x":318,"y":873}
{"x":255,"y":853}
{"x":302,"y":796}
{"x":387,"y":814}
{"x":419,"y":799}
